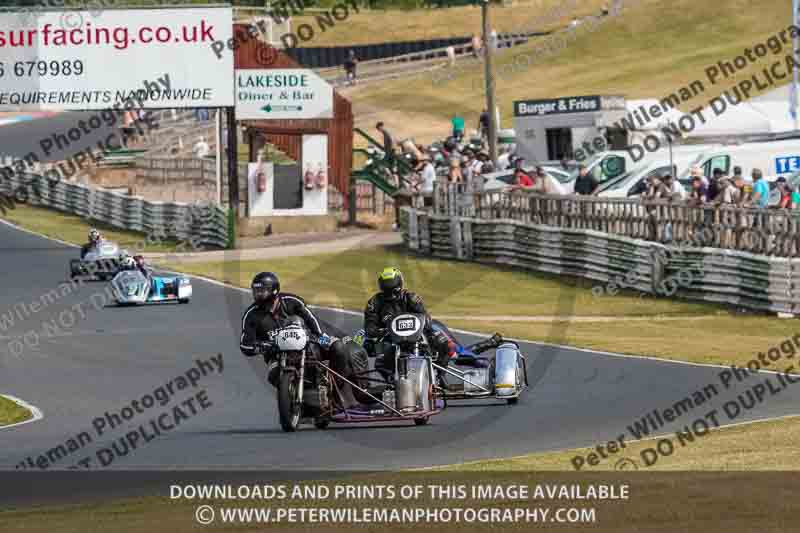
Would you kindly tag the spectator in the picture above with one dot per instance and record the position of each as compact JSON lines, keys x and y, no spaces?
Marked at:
{"x":565,"y":164}
{"x":388,"y":142}
{"x":760,"y":189}
{"x":547,"y":184}
{"x":455,"y":175}
{"x":713,"y":186}
{"x":477,"y":46}
{"x":451,"y":55}
{"x":483,"y":124}
{"x":585,"y":183}
{"x":428,"y":174}
{"x":655,"y":189}
{"x":604,"y":10}
{"x":477,"y":163}
{"x":201,"y":148}
{"x":493,"y":43}
{"x":729,"y":193}
{"x":350,"y":65}
{"x":674,"y":187}
{"x":466,"y":166}
{"x":699,"y":194}
{"x":785,"y":191}
{"x":737,"y":171}
{"x":522,"y":179}
{"x":696,"y":171}
{"x":458,"y":127}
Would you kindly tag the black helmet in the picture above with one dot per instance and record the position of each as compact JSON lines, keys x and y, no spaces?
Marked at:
{"x":390,"y":282}
{"x":265,"y":287}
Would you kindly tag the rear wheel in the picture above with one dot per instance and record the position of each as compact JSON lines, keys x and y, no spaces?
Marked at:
{"x":288,"y":406}
{"x":321,"y":423}
{"x":512,"y":401}
{"x":183,"y":301}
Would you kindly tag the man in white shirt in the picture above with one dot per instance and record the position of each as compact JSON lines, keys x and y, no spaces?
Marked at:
{"x":201,"y":148}
{"x":428,"y":175}
{"x":547,"y":184}
{"x":676,"y":190}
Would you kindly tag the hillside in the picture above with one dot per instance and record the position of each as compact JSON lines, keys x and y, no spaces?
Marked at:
{"x":652,"y":49}
{"x":377,"y":26}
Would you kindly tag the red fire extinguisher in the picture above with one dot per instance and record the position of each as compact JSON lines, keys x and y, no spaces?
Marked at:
{"x":308,"y":178}
{"x":321,"y":179}
{"x":262,"y":182}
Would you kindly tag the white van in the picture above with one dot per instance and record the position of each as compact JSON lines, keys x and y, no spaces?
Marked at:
{"x":634,"y":183}
{"x":773,"y":158}
{"x":658,"y":163}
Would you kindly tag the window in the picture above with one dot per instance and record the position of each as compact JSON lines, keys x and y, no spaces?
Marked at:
{"x":722,"y":162}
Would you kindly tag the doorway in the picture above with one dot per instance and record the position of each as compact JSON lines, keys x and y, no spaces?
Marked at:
{"x":559,"y":143}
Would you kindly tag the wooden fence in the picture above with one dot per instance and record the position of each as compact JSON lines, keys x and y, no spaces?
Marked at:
{"x":762,"y":231}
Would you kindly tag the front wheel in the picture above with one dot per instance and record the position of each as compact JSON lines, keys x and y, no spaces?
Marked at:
{"x":422,"y":421}
{"x":512,"y":401}
{"x":321,"y":423}
{"x":288,"y":404}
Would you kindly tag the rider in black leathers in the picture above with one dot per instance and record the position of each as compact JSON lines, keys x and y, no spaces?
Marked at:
{"x":393,"y":300}
{"x":94,"y":240}
{"x":272,"y":310}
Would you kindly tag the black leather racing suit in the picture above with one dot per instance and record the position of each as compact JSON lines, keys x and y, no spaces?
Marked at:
{"x":381,"y":309}
{"x":260,"y":324}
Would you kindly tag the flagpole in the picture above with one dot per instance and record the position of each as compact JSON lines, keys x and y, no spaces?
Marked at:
{"x":793,"y":96}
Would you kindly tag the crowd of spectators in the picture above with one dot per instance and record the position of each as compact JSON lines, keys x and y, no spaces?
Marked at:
{"x":721,"y":189}
{"x":457,"y":161}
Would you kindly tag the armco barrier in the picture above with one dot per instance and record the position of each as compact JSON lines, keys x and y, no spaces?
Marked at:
{"x":200,"y":225}
{"x":738,"y":278}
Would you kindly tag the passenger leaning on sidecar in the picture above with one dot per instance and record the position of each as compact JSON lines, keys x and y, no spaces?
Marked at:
{"x":272,"y":310}
{"x":392,"y":300}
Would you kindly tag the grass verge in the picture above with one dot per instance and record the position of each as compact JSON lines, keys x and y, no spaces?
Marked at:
{"x":11,"y":413}
{"x":73,"y":229}
{"x":716,"y":339}
{"x":348,"y":280}
{"x":758,"y":446}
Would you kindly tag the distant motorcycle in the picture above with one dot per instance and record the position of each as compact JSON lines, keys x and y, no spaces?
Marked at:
{"x":100,"y":262}
{"x":132,"y":287}
{"x":309,"y":391}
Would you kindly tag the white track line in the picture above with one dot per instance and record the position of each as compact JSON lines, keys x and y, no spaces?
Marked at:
{"x":35,"y":411}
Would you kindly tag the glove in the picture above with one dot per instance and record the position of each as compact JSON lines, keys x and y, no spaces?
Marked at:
{"x":325,"y":340}
{"x":267,"y":349}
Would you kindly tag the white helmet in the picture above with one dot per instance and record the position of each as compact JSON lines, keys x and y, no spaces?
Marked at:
{"x":128,"y":263}
{"x":94,"y":235}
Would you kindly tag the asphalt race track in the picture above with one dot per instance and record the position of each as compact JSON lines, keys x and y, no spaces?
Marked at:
{"x":112,"y":356}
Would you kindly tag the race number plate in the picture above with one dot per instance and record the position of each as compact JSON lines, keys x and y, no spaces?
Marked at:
{"x":407,"y":324}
